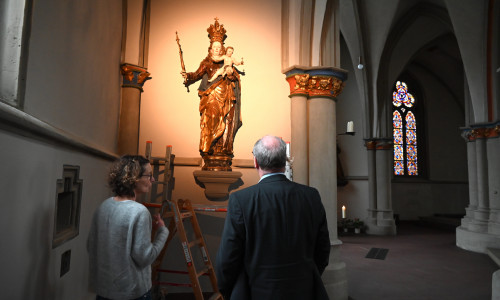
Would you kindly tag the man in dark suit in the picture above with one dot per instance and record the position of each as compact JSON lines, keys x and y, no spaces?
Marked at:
{"x":275,"y":242}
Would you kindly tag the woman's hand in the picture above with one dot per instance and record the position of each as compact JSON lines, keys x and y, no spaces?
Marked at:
{"x":158,"y":221}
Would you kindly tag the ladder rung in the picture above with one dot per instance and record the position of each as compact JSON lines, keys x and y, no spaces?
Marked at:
{"x":168,"y":214}
{"x":158,"y":158}
{"x":215,"y":296}
{"x":150,"y":204}
{"x":186,"y":215}
{"x":159,"y":182}
{"x":174,"y":284}
{"x":202,"y":272}
{"x":195,"y":242}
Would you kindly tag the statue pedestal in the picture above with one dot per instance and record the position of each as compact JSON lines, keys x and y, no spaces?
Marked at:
{"x":216,"y":162}
{"x":217,"y":184}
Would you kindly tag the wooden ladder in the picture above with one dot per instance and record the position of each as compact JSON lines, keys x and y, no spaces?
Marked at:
{"x":180,"y":211}
{"x":177,"y":211}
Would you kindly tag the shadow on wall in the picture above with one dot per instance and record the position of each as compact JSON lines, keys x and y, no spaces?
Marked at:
{"x":38,"y":283}
{"x":414,"y":200}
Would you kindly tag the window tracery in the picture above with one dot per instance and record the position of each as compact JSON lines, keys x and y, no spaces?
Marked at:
{"x":404,"y":125}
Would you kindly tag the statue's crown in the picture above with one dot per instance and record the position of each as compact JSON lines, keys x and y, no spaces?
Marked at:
{"x":216,"y":32}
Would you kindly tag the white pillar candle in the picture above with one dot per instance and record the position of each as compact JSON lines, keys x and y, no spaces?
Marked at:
{"x":350,"y":126}
{"x":343,"y":211}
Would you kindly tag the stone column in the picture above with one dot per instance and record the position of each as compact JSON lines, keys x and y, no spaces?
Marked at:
{"x":385,"y":214}
{"x":372,"y":184}
{"x":298,"y":145}
{"x":128,"y":132}
{"x":322,"y":166}
{"x":472,"y":170}
{"x":322,"y":160}
{"x":321,"y":85}
{"x":380,"y":214}
{"x":493,"y":152}
{"x":480,"y":228}
{"x":482,"y":212}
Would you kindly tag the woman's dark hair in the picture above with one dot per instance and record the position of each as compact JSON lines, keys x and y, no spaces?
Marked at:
{"x":124,"y":174}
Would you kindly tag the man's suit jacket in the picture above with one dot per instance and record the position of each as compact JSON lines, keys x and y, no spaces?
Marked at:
{"x":275,"y":242}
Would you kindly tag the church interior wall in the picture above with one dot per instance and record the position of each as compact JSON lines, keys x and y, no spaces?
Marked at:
{"x":423,"y":199}
{"x":72,"y":78}
{"x":446,"y":149}
{"x":30,"y":265}
{"x":412,"y":34}
{"x":444,"y":187}
{"x":470,"y":21}
{"x":352,"y":156}
{"x":134,"y":11}
{"x":71,"y":104}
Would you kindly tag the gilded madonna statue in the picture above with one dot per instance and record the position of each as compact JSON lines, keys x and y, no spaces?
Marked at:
{"x":220,"y":101}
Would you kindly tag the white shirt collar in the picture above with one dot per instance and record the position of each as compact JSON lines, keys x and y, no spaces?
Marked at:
{"x":270,"y":174}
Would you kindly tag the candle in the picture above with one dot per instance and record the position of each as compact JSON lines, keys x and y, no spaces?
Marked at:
{"x":343,"y":211}
{"x":350,"y":126}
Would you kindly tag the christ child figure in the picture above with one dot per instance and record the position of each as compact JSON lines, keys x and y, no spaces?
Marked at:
{"x":229,"y":61}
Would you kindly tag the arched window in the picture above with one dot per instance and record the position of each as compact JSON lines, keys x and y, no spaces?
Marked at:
{"x":404,"y":125}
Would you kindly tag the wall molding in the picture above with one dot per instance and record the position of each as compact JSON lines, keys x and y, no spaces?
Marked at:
{"x":18,"y":122}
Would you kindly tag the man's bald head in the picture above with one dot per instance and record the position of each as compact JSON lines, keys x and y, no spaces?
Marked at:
{"x":270,"y":153}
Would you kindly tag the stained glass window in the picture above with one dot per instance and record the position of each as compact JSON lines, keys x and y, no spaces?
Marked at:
{"x":404,"y":126}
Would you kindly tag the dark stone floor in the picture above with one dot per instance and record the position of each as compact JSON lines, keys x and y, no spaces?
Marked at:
{"x":421,"y":262}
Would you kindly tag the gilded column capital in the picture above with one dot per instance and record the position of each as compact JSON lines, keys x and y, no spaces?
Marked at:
{"x":316,"y":81}
{"x":134,"y":76}
{"x":481,"y":131}
{"x":379,"y":144}
{"x":370,"y":144}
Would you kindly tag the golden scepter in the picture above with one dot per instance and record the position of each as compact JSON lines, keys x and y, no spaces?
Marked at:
{"x":182,"y":60}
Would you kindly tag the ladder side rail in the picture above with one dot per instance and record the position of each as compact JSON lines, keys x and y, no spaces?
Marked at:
{"x":187,"y":251}
{"x":157,"y":263}
{"x":172,"y":228}
{"x":152,"y":195}
{"x":202,"y":245}
{"x":168,"y":172}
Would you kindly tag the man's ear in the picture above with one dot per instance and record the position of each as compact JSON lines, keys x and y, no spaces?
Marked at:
{"x":255,"y":164}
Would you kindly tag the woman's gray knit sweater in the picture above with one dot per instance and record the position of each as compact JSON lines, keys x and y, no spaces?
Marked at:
{"x":120,"y":249}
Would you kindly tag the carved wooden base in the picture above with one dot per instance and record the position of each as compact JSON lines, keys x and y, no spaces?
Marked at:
{"x":217,"y":163}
